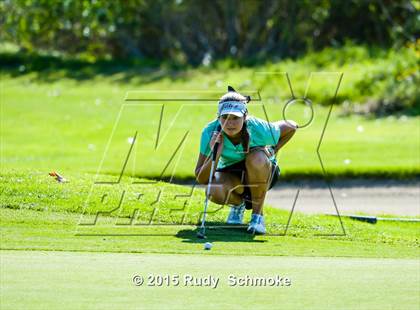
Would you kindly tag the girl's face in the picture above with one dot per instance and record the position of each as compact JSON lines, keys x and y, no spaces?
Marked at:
{"x":231,"y":124}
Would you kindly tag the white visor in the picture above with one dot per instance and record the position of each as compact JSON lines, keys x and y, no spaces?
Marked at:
{"x":237,"y":108}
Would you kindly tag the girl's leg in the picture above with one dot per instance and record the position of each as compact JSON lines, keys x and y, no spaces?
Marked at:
{"x":258,"y":173}
{"x":226,"y":189}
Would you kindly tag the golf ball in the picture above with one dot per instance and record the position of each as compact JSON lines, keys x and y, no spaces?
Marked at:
{"x":208,"y":246}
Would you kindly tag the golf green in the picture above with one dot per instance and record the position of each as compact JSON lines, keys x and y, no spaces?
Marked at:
{"x":75,"y":280}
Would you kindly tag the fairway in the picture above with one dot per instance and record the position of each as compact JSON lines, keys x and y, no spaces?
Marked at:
{"x":69,"y":280}
{"x":109,"y":122}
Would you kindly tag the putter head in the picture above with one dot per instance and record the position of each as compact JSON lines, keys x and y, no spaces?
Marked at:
{"x":201,"y":234}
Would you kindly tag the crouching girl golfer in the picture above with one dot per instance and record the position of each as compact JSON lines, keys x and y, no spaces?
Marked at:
{"x":245,"y":159}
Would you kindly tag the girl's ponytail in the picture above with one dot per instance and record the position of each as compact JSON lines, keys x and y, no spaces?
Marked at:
{"x":245,"y":137}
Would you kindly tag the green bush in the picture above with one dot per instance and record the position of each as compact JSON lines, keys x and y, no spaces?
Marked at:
{"x":392,"y":85}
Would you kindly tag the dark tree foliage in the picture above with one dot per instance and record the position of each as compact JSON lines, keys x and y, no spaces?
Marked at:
{"x":189,"y":31}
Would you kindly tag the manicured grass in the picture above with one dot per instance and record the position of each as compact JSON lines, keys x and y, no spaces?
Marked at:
{"x":38,"y":213}
{"x":77,"y":123}
{"x":72,"y":126}
{"x":31,"y":230}
{"x":372,"y":266}
{"x":69,"y":280}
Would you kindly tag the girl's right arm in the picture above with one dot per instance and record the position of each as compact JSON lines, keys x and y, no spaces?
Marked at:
{"x":203,"y":167}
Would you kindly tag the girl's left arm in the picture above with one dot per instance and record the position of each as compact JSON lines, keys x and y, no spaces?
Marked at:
{"x":287,"y":130}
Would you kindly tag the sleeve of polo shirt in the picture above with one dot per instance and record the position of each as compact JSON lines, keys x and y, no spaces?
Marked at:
{"x":270,"y":132}
{"x":205,"y":142}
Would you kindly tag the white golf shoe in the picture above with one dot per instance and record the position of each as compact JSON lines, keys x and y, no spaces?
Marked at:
{"x":236,"y":214}
{"x":256,"y":225}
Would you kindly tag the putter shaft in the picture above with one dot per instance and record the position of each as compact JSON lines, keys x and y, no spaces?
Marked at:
{"x":202,"y":233}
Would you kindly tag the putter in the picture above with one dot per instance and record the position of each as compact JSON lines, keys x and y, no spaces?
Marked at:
{"x":202,"y":231}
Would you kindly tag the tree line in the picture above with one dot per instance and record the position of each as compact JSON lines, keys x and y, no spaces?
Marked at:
{"x":198,"y":32}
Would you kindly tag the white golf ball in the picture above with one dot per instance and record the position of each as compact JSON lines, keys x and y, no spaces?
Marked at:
{"x":208,"y":246}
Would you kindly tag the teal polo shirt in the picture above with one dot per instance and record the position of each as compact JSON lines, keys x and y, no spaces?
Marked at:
{"x":261,"y":133}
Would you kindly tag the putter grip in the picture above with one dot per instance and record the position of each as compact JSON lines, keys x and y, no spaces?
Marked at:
{"x":216,"y":145}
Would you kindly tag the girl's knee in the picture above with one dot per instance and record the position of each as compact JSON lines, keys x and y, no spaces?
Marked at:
{"x":257,"y":161}
{"x":217,"y":195}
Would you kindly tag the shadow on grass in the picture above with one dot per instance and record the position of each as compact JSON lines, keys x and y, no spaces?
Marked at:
{"x":218,"y":232}
{"x":311,"y":178}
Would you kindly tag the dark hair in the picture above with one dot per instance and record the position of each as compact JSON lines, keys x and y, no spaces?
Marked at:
{"x":234,"y":96}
